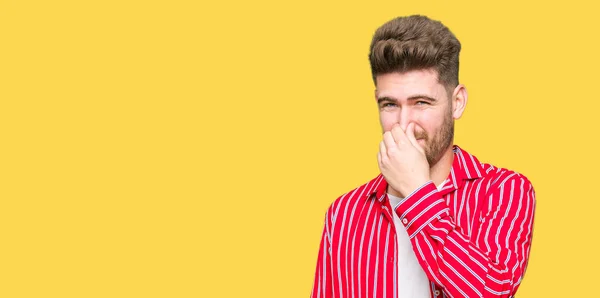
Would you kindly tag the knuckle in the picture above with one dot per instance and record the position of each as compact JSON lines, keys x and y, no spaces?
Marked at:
{"x":393,"y":152}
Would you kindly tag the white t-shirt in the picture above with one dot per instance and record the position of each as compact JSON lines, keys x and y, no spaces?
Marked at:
{"x":412,"y":280}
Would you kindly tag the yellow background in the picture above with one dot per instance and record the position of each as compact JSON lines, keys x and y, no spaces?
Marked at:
{"x":190,"y":149}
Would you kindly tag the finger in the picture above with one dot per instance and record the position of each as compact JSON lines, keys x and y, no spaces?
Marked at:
{"x":388,"y":141}
{"x":382,"y":148}
{"x":399,"y":135}
{"x":382,"y":157}
{"x":410,"y":134}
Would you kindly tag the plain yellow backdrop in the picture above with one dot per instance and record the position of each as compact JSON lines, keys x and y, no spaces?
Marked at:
{"x":191,"y":149}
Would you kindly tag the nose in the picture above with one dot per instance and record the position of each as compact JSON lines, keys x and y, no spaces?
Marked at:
{"x":404,"y":118}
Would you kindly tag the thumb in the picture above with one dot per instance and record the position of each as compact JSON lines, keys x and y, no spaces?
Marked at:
{"x":410,"y":133}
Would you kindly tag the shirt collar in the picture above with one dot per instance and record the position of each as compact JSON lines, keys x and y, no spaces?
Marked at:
{"x":464,"y":167}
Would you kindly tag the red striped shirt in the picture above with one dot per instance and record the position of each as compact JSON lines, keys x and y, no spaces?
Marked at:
{"x":472,"y":237}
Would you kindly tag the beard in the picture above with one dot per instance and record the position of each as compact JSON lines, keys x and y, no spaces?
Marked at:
{"x":435,"y":147}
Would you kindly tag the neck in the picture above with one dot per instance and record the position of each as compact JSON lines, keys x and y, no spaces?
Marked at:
{"x":440,"y":170}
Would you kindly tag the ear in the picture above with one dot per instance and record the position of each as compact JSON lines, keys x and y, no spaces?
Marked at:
{"x":459,"y":101}
{"x":375,"y":94}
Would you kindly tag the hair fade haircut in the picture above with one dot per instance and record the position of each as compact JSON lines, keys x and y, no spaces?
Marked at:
{"x":414,"y":43}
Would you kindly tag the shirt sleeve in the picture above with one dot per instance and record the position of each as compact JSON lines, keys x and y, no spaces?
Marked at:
{"x":489,"y":263}
{"x":322,"y":287}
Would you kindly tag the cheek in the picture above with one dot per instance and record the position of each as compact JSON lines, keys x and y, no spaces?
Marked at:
{"x":387,"y":122}
{"x":428,"y":123}
{"x":421,"y":122}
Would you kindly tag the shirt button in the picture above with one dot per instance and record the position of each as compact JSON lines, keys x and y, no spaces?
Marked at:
{"x":405,"y":221}
{"x":436,"y":292}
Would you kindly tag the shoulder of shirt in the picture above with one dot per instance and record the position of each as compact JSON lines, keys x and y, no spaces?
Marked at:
{"x":351,"y":197}
{"x":495,"y":177}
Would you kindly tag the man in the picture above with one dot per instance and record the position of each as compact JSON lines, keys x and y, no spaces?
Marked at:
{"x":436,"y":222}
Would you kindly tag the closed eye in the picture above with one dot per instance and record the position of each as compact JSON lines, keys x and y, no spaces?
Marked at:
{"x":388,"y":106}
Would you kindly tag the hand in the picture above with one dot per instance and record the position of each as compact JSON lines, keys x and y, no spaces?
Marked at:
{"x":402,"y":160}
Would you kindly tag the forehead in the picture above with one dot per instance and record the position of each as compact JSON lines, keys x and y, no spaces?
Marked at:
{"x":415,"y":82}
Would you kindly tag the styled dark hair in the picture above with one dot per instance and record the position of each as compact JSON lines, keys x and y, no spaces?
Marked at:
{"x":413,"y":43}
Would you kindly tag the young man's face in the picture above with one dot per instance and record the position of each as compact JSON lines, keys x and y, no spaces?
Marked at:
{"x":417,"y":96}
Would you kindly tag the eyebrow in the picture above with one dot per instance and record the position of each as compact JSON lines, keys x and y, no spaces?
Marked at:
{"x":411,"y":98}
{"x":421,"y":96}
